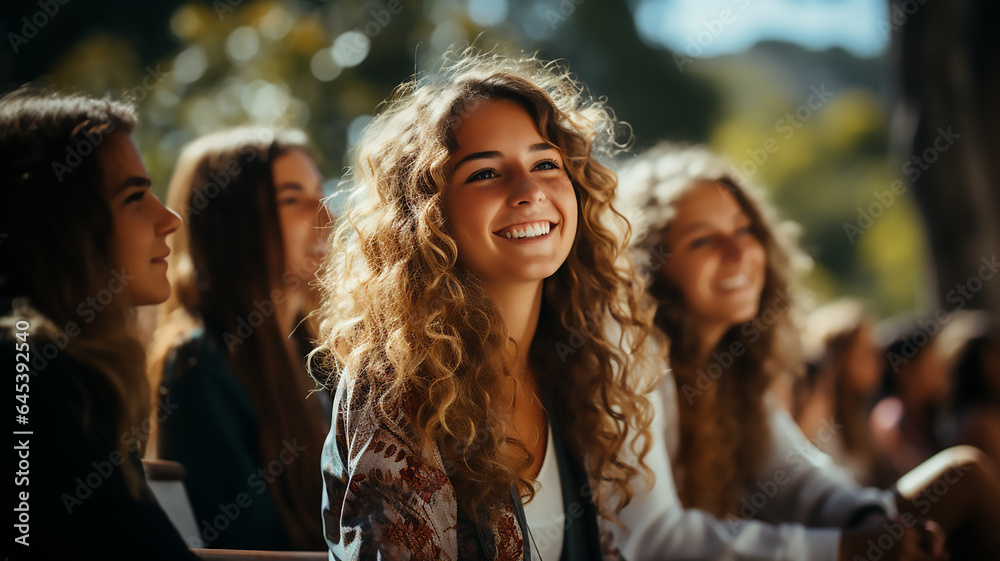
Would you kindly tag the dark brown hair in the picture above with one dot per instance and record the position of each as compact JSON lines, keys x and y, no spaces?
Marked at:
{"x":228,"y":261}
{"x":56,"y":252}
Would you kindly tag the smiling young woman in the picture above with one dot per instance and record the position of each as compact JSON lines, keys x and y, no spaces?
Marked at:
{"x":84,"y":241}
{"x":479,"y":238}
{"x":735,"y":477}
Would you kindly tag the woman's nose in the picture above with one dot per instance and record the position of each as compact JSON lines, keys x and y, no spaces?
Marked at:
{"x":733,"y":248}
{"x":526,"y":190}
{"x":169,"y":220}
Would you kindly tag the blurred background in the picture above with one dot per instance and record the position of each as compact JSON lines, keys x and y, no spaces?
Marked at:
{"x":822,"y":103}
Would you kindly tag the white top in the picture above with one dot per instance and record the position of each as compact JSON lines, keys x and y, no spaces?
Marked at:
{"x":545,"y":514}
{"x":797,"y":484}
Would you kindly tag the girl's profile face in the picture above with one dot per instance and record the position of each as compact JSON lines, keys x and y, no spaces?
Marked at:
{"x":864,"y":361}
{"x":141,"y":223}
{"x":510,"y":204}
{"x":716,"y":261}
{"x":298,"y":196}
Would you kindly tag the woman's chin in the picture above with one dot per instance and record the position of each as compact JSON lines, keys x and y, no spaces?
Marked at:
{"x":739,"y":317}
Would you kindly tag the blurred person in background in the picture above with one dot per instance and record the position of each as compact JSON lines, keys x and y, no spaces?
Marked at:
{"x":907,"y":421}
{"x":977,"y":393}
{"x":735,"y":477}
{"x":85,"y":242}
{"x":833,"y":400}
{"x":231,"y":351}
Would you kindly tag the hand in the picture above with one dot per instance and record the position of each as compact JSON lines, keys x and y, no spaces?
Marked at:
{"x":900,"y":539}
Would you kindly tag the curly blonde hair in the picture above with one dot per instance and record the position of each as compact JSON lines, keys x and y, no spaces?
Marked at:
{"x":723,"y":424}
{"x":403,"y":319}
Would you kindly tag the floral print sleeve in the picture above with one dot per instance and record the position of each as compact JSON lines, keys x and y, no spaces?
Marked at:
{"x":384,"y":499}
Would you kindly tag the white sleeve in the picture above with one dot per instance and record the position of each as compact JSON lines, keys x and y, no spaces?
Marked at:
{"x":798,"y":482}
{"x":657,"y":526}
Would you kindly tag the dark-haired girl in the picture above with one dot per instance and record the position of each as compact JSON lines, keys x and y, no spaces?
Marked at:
{"x":231,"y":353}
{"x":84,"y":243}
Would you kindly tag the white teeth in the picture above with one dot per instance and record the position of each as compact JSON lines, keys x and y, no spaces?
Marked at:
{"x":528,"y":231}
{"x":733,"y":282}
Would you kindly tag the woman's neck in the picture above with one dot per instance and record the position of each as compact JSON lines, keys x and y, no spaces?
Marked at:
{"x":709,"y":337}
{"x":520,"y":305}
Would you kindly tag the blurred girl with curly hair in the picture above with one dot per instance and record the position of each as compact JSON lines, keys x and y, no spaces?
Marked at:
{"x":479,"y":315}
{"x":735,"y":477}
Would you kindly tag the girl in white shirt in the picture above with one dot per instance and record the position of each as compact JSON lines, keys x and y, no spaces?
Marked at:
{"x":735,"y":477}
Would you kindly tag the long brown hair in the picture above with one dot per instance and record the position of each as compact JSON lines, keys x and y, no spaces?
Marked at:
{"x":403,"y":319}
{"x":227,"y":262}
{"x":723,"y":426}
{"x":57,"y":254}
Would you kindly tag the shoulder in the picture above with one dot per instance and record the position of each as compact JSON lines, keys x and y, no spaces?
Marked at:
{"x":196,"y":358}
{"x":366,"y":437}
{"x":198,"y":382}
{"x":386,"y":489}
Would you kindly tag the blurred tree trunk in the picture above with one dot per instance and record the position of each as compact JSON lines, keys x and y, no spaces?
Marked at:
{"x":946,"y":54}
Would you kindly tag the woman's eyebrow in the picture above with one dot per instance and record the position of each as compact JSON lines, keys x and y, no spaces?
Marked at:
{"x":135,"y":181}
{"x":490,"y":154}
{"x":692,"y":228}
{"x":289,"y":185}
{"x":541,"y":146}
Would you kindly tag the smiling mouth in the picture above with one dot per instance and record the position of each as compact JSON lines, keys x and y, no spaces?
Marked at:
{"x":526,"y":230}
{"x":734,"y":282}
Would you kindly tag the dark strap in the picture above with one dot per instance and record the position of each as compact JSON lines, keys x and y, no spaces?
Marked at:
{"x":860,"y":514}
{"x":484,"y":533}
{"x":581,"y":535}
{"x":515,"y":497}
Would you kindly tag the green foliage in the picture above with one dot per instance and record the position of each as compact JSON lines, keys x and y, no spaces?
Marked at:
{"x":325,"y":67}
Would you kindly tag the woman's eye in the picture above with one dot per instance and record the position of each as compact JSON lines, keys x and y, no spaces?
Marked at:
{"x":546,"y":165}
{"x":135,"y":197}
{"x":700,"y":242}
{"x":287,"y":201}
{"x":481,"y":175}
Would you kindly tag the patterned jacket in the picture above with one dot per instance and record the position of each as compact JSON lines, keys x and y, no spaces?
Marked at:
{"x":386,"y":499}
